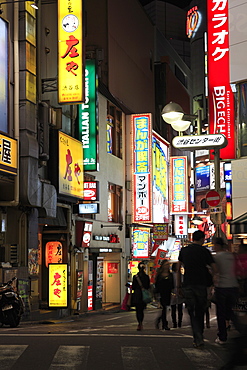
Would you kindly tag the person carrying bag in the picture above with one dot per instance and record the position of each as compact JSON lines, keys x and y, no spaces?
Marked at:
{"x":141,"y":283}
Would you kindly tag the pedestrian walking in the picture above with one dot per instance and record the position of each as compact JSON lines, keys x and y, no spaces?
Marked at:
{"x":237,"y":350}
{"x":195,"y":258}
{"x":226,"y":288}
{"x":176,"y":301}
{"x":140,"y":281}
{"x":163,"y":286}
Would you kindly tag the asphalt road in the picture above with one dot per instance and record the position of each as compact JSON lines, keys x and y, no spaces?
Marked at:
{"x":108,"y":341}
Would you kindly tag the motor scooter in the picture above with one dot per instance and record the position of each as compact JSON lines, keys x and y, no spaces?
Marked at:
{"x":11,"y":304}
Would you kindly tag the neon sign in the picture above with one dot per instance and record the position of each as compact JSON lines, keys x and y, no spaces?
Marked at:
{"x":141,"y":151}
{"x":192,"y":22}
{"x":220,"y":96}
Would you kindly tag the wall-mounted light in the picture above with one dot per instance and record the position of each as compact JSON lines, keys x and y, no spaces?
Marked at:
{"x":34,"y":4}
{"x":120,"y":227}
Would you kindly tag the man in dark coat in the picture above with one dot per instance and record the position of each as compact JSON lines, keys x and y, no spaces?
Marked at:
{"x":195,"y":259}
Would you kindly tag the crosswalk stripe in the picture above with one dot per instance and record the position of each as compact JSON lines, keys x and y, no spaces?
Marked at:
{"x":135,"y":358}
{"x":9,"y":354}
{"x":71,"y":357}
{"x":203,"y":359}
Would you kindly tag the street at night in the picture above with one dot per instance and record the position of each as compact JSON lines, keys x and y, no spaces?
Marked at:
{"x":108,"y":340}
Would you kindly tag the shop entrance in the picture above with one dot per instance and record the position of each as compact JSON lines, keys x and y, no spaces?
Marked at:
{"x":112,"y":281}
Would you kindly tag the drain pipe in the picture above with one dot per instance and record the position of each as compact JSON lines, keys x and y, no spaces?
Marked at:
{"x":15,"y":201}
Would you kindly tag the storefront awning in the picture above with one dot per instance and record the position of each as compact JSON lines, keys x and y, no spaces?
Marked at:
{"x":239,"y":224}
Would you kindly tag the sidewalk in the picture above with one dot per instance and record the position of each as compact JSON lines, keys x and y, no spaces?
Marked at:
{"x":52,"y":316}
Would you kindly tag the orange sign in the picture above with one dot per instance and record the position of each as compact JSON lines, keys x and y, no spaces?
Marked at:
{"x":53,"y":253}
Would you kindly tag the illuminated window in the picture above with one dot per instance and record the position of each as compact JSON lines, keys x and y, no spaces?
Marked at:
{"x":114,"y":131}
{"x":115,"y":203}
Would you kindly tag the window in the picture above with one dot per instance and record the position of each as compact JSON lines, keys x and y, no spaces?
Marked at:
{"x":115,"y":203}
{"x":114,"y":130}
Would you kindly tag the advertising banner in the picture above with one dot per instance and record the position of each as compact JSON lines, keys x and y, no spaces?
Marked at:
{"x":53,"y":252}
{"x":70,"y":166}
{"x":140,"y":242}
{"x":141,"y":171}
{"x":58,"y":285}
{"x":8,"y":154}
{"x":88,"y":119}
{"x":160,"y":174}
{"x":220,"y":96}
{"x":70,"y":52}
{"x":179,"y":185}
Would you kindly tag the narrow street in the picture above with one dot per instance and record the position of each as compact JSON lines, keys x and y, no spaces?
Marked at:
{"x":108,"y":340}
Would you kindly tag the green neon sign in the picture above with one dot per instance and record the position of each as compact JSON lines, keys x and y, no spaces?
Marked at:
{"x":88,"y":118}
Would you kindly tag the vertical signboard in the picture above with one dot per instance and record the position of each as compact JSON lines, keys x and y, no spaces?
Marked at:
{"x":4,"y":74}
{"x":58,"y":285}
{"x":70,"y":52}
{"x":220,"y":96}
{"x":179,"y":185}
{"x":140,"y":242}
{"x":181,"y":226}
{"x":160,"y":165}
{"x":141,"y":171}
{"x":88,"y":119}
{"x":53,"y":252}
{"x":70,"y":166}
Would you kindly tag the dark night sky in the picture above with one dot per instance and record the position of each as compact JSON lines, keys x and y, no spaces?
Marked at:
{"x":180,"y":3}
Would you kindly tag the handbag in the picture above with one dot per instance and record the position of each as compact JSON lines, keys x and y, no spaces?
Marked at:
{"x":146,"y":295}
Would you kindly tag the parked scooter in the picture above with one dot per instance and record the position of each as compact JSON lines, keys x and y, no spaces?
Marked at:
{"x":11,"y":304}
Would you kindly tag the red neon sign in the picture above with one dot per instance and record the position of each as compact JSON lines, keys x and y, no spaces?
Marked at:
{"x":220,"y":96}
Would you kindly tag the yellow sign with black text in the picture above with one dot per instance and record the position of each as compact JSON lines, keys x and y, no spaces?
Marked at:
{"x":70,"y":52}
{"x":8,"y":155}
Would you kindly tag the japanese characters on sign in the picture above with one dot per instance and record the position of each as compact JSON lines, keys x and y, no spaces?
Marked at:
{"x":88,"y":119}
{"x":140,"y":242}
{"x":179,"y":192}
{"x":8,"y":155}
{"x":220,"y":96}
{"x":160,"y":166}
{"x":70,"y":52}
{"x":142,"y":142}
{"x":199,"y":142}
{"x":70,"y":166}
{"x":53,"y":252}
{"x":160,"y":232}
{"x":58,"y":285}
{"x":181,"y":226}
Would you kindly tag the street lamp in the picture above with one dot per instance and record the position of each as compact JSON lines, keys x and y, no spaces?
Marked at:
{"x":172,"y":113}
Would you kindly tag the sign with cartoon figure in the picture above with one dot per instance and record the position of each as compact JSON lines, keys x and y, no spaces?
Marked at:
{"x":70,"y":166}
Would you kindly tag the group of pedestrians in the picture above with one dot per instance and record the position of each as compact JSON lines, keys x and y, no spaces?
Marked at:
{"x":201,"y":270}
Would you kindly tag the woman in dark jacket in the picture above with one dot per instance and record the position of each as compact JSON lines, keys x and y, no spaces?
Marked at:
{"x":164,"y":285}
{"x":143,"y":278}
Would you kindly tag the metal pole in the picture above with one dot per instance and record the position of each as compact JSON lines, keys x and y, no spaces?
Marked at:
{"x":217,"y":187}
{"x":199,"y":122}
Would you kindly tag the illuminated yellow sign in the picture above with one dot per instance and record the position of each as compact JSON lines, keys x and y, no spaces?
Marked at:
{"x":8,"y":155}
{"x":58,"y":285}
{"x":70,"y":166}
{"x":70,"y":52}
